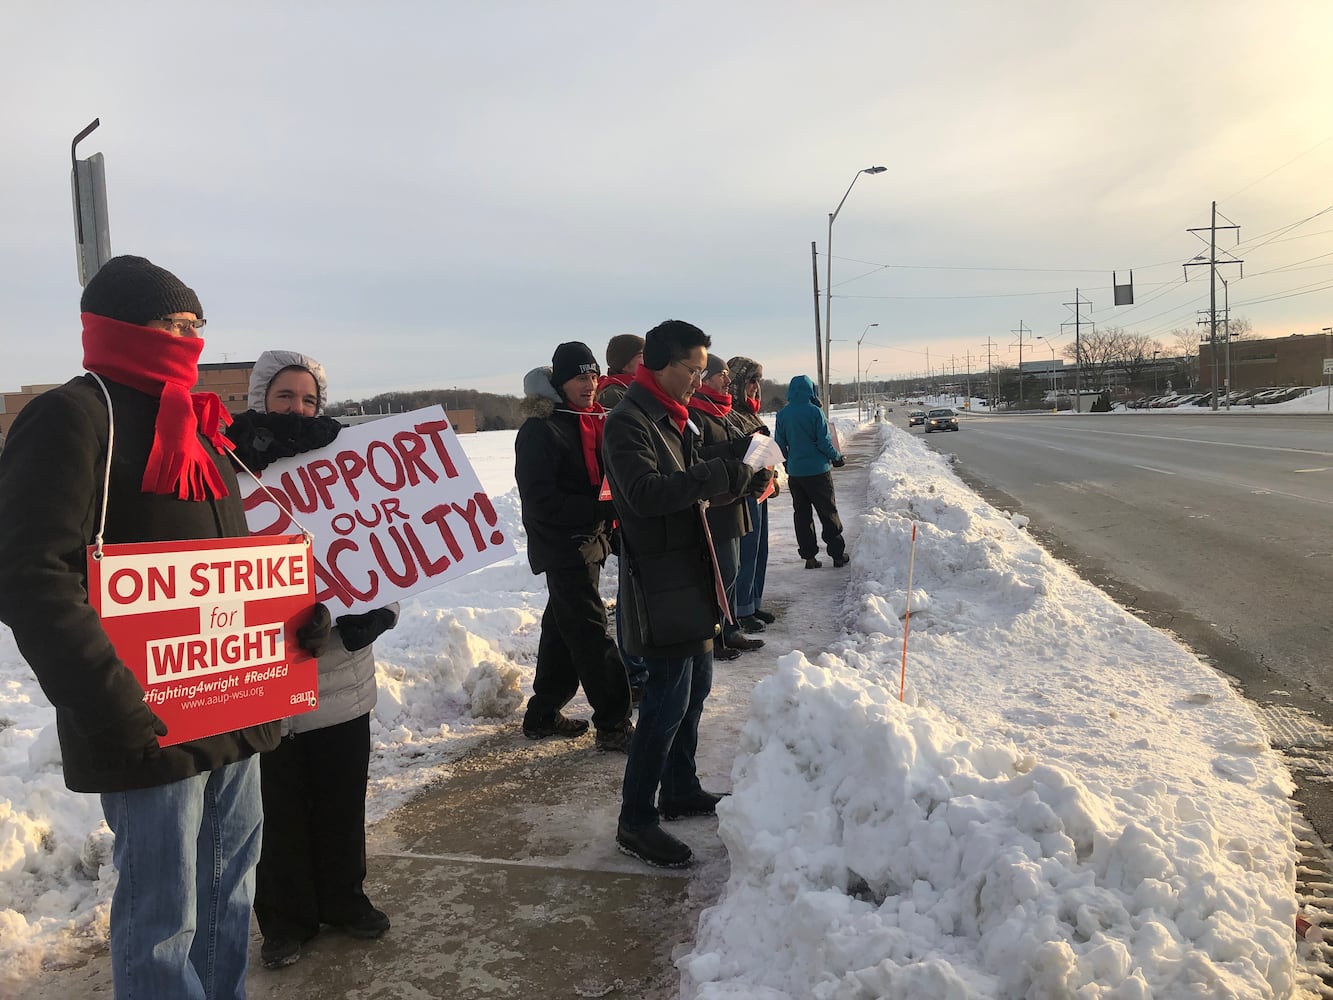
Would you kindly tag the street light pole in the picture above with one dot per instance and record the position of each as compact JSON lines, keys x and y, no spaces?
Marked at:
{"x":858,"y":369}
{"x":1328,"y":383}
{"x":1226,"y":321}
{"x":1055,"y":405}
{"x":828,"y":284}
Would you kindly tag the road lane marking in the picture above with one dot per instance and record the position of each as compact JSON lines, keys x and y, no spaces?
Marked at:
{"x":1149,"y":468}
{"x":1324,"y":469}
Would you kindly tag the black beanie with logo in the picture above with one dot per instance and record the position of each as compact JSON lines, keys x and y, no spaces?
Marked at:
{"x":571,"y":360}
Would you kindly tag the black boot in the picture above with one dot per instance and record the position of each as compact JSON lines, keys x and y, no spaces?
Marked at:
{"x":653,"y":845}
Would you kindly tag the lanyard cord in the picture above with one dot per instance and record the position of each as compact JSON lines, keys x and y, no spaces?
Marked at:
{"x":106,"y":479}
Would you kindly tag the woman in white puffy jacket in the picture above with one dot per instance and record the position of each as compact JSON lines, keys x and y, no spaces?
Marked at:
{"x":313,"y":863}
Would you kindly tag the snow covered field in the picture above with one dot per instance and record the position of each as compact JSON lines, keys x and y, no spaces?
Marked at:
{"x":1067,"y":803}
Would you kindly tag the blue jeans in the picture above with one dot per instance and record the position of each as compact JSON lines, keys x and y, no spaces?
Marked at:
{"x":661,"y":753}
{"x":728,"y":552}
{"x":186,"y":853}
{"x":754,"y":562}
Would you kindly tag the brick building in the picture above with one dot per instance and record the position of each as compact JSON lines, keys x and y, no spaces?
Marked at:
{"x":1294,"y":360}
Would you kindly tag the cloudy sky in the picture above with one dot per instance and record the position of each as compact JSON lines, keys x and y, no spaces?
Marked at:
{"x":434,"y":194}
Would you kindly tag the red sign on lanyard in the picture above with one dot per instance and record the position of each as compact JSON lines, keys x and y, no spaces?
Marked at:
{"x":208,"y":626}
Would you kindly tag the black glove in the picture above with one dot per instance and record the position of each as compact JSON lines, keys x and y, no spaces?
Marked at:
{"x":359,"y":631}
{"x":839,"y":462}
{"x":313,"y":636}
{"x":738,"y":478}
{"x":760,"y":482}
{"x":263,"y":438}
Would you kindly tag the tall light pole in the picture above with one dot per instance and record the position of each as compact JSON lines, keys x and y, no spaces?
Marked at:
{"x":1226,"y":327}
{"x":1328,"y":353}
{"x":1154,"y":371}
{"x":1054,"y":404}
{"x":828,"y":282}
{"x":858,"y":368}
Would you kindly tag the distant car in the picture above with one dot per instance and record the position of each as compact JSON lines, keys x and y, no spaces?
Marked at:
{"x":941,"y":420}
{"x":916,"y":417}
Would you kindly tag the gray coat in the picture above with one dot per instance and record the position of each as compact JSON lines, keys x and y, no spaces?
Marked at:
{"x":346,"y":685}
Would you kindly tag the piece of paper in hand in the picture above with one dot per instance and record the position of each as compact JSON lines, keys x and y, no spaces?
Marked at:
{"x":763,"y":452}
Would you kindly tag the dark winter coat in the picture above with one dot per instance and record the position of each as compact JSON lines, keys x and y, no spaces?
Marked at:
{"x":567,"y":525}
{"x":658,"y":476}
{"x":802,"y":433}
{"x":51,"y":474}
{"x":728,"y":517}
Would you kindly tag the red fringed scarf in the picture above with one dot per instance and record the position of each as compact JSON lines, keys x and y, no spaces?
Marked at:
{"x":705,"y":400}
{"x":675,"y":409}
{"x":592,"y":422}
{"x":166,"y":366}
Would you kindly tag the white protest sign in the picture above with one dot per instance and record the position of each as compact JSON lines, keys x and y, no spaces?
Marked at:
{"x":394,"y":506}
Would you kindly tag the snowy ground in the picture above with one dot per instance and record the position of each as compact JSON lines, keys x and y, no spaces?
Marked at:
{"x":1066,"y":802}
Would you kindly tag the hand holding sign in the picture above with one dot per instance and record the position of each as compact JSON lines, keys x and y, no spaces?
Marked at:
{"x":763,"y":452}
{"x":394,"y":508}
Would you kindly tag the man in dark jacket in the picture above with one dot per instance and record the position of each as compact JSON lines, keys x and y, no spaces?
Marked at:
{"x":658,"y":475}
{"x":558,"y":470}
{"x":180,"y":920}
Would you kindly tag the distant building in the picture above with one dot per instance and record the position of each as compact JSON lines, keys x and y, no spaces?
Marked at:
{"x":1294,"y":360}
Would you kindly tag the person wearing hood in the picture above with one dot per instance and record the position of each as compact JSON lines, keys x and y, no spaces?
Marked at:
{"x":558,"y":471}
{"x":131,"y":447}
{"x":802,"y":433}
{"x":312,"y":867}
{"x":746,"y":378}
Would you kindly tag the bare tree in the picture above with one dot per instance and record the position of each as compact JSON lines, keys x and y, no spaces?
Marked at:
{"x":1136,"y":351}
{"x":1186,"y":341}
{"x":1240,"y":328}
{"x":1099,"y":350}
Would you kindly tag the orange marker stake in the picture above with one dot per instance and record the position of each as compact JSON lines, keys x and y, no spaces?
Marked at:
{"x":907,"y":618}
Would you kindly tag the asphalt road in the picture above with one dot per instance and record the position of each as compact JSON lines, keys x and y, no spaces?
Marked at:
{"x":1214,"y":526}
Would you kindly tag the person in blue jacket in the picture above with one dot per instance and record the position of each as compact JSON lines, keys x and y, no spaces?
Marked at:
{"x":801,"y":431}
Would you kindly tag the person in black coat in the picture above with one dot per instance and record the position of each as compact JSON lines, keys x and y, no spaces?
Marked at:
{"x":659,"y":473}
{"x":558,"y":471}
{"x":169,"y":480}
{"x":728,"y":517}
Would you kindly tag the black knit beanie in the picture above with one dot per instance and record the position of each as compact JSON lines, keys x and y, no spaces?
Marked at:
{"x":571,"y":360}
{"x":714,"y":366}
{"x":620,"y":351}
{"x":135,"y":290}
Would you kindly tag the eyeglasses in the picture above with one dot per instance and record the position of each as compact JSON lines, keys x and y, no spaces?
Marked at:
{"x":696,"y":374}
{"x":183,"y":325}
{"x":753,"y":380}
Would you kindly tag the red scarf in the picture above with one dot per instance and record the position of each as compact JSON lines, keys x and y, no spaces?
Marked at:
{"x":753,"y":404}
{"x":592,"y":422}
{"x":705,"y":400}
{"x":166,"y":366}
{"x":675,"y":409}
{"x":620,"y":379}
